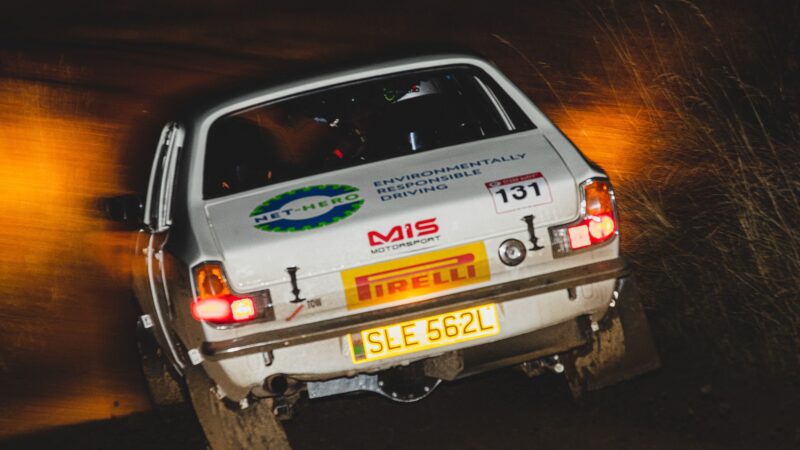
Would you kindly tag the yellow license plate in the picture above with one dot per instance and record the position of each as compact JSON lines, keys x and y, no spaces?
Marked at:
{"x":422,"y":334}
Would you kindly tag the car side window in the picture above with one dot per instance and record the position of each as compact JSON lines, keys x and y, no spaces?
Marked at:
{"x":157,"y":213}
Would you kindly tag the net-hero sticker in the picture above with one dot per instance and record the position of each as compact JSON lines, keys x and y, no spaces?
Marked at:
{"x":307,"y":208}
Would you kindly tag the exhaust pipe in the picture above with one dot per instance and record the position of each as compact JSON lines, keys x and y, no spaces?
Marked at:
{"x":276,"y":384}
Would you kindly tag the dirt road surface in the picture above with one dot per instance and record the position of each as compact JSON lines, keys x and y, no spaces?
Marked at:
{"x":679,"y":407}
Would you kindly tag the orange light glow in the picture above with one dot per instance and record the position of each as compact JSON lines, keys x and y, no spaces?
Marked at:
{"x":58,"y":159}
{"x":609,"y":134}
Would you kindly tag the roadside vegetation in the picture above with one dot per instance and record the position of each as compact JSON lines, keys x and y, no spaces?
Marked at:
{"x":716,"y":217}
{"x":710,"y":216}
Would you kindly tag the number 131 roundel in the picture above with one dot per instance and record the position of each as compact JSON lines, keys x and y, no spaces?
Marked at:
{"x":518,"y":192}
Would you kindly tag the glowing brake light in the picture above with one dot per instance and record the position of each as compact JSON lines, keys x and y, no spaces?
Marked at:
{"x":210,"y":309}
{"x":602,"y":227}
{"x":597,"y":223}
{"x":217,"y":304}
{"x":243,"y":309}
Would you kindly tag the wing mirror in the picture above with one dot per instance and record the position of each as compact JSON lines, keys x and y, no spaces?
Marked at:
{"x":127,"y":210}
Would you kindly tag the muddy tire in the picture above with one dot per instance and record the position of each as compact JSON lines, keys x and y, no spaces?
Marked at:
{"x":623,"y":347}
{"x":163,"y":383}
{"x":226,"y":428}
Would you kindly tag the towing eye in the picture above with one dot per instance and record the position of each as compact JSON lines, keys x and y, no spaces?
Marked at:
{"x":532,"y":232}
{"x":295,"y":290}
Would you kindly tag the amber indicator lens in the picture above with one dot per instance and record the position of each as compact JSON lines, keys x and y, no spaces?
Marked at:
{"x":598,"y":198}
{"x":211,"y":281}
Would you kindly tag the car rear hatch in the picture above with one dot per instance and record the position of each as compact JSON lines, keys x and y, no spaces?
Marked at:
{"x":390,"y":219}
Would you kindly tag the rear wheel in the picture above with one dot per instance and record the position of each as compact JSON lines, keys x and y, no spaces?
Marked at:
{"x":622,"y":347}
{"x":162,"y":382}
{"x":255,"y":427}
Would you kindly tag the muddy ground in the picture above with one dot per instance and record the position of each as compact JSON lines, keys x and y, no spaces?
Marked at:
{"x":682,"y":406}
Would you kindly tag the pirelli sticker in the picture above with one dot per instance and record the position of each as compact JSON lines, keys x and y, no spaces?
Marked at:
{"x":415,"y":276}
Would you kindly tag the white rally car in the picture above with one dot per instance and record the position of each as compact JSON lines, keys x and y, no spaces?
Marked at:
{"x":380,"y":229}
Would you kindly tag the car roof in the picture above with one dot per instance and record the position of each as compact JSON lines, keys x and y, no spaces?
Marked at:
{"x":193,"y":105}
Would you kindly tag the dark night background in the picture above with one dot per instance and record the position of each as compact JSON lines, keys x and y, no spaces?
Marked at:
{"x":691,"y":107}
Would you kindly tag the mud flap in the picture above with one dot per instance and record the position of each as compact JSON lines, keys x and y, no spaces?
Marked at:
{"x":621,"y":349}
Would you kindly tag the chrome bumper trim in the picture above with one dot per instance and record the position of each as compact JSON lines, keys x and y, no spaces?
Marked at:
{"x":340,"y":326}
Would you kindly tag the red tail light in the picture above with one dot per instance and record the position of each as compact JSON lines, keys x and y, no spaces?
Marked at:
{"x":217,"y":304}
{"x":597,"y":224}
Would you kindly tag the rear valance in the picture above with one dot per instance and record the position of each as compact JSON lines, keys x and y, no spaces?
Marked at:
{"x":340,"y":326}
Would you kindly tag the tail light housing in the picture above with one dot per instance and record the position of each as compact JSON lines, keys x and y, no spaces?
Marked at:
{"x":216,"y":303}
{"x":597,"y":224}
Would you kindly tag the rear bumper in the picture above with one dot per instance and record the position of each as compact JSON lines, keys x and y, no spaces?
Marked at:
{"x":271,"y":340}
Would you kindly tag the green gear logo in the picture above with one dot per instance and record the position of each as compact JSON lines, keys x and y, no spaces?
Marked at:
{"x":307,"y":208}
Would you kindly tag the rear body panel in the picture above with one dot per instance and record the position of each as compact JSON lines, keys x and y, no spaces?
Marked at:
{"x":439,"y":208}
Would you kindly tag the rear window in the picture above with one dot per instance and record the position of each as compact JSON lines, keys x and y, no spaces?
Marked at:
{"x":355,"y":124}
